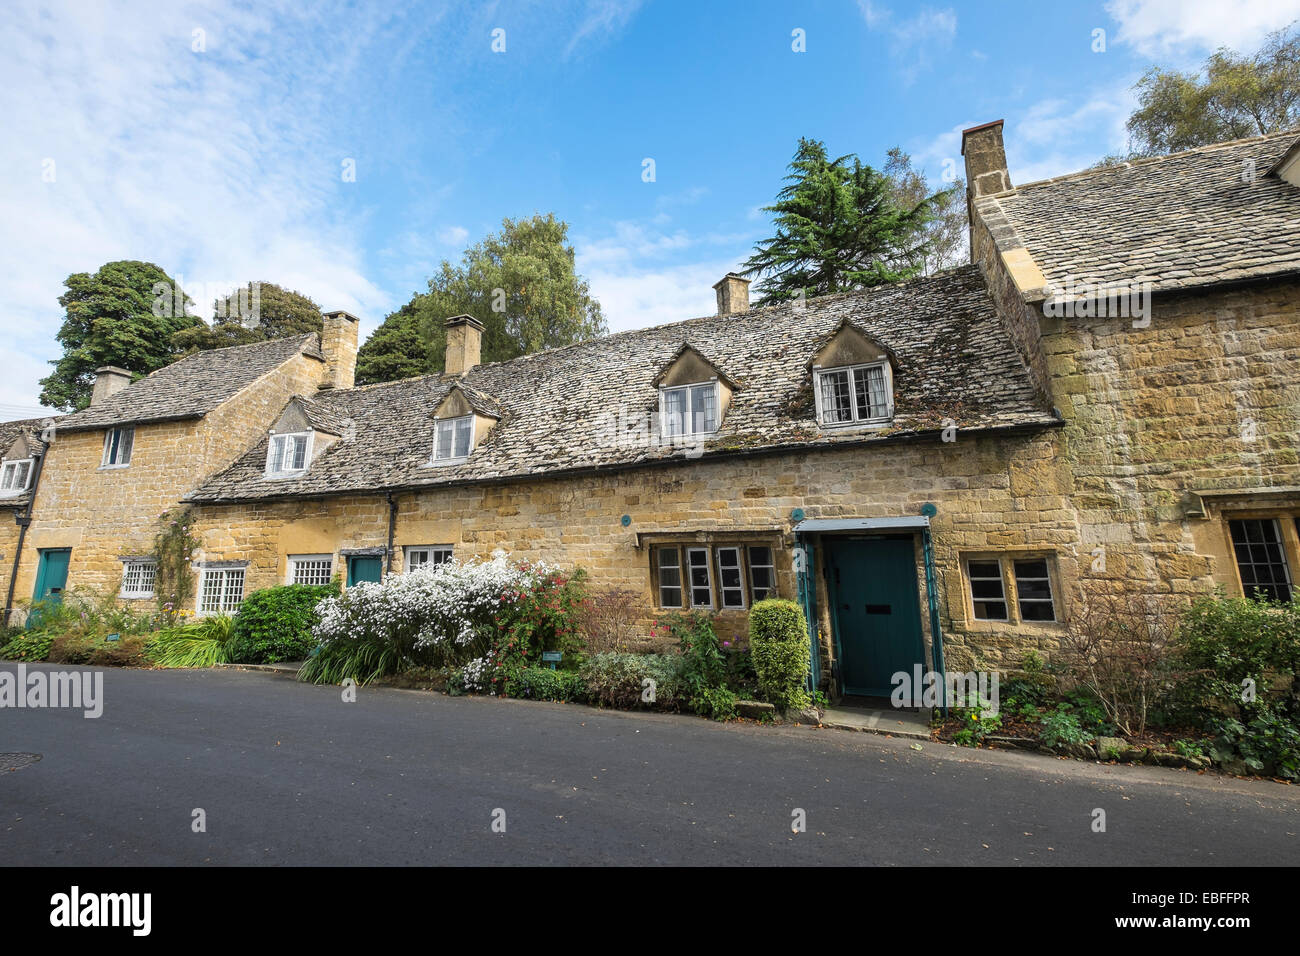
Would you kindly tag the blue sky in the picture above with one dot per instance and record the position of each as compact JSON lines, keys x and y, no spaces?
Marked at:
{"x":225,"y":163}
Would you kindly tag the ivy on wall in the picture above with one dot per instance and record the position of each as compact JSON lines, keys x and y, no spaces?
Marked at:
{"x":173,"y":549}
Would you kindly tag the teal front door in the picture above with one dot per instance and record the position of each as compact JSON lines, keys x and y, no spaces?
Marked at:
{"x":364,"y":568}
{"x":51,"y":574}
{"x":877,"y":612}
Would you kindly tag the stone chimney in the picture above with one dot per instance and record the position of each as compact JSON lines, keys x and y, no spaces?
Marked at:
{"x":986,"y":160}
{"x":109,"y":380}
{"x":733,"y":294}
{"x":338,"y":340}
{"x":464,"y":344}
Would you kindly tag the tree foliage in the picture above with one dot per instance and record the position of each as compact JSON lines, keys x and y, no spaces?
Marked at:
{"x":946,"y":242}
{"x":839,"y":227}
{"x":125,"y":315}
{"x":1231,"y":97}
{"x":519,"y":282}
{"x":254,"y":312}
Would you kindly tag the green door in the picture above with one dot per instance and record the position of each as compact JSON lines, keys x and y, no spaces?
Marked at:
{"x":364,"y":568}
{"x":51,"y":574}
{"x":877,"y":612}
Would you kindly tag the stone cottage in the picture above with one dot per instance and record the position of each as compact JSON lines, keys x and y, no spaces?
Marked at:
{"x":941,"y":471}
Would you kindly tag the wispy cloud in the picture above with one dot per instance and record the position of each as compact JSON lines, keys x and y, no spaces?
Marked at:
{"x":1161,"y":27}
{"x":599,"y":20}
{"x":914,"y":39}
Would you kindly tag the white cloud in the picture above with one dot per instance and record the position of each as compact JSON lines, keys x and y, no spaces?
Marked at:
{"x":912,"y":39}
{"x":453,"y":235}
{"x":601,"y":19}
{"x":1160,"y":27}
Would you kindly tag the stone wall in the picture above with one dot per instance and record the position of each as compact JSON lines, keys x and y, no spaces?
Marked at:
{"x":102,"y":514}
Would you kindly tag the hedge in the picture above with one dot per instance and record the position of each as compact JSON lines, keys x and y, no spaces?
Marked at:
{"x":276,"y":624}
{"x":778,"y":641}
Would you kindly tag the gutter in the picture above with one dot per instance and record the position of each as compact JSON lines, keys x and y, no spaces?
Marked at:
{"x":674,"y":460}
{"x":24,"y":520}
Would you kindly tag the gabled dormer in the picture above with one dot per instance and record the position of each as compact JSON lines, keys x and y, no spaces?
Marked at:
{"x":304,"y":431}
{"x":694,"y":395}
{"x":1287,"y":167}
{"x":17,"y":466}
{"x":460,"y":421}
{"x":853,"y":380}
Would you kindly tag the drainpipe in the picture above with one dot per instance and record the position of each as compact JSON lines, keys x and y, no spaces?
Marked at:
{"x":392,"y":531}
{"x":807,"y":599}
{"x":936,"y":635}
{"x":23,"y":520}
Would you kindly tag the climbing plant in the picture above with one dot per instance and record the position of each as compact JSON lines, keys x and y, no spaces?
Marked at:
{"x":173,"y":549}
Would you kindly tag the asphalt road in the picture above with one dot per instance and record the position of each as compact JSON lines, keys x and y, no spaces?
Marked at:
{"x":291,"y":774}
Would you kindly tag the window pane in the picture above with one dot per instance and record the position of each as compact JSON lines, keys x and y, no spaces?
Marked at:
{"x":872,"y":399}
{"x":299,"y":452}
{"x":313,"y":571}
{"x":668,"y":562}
{"x":1261,"y":560}
{"x":701,"y":590}
{"x":1034,"y":590}
{"x":674,"y":411}
{"x":124,"y":450}
{"x":762,"y":574}
{"x":276,"y":454}
{"x":731,"y":580}
{"x":988,"y":597}
{"x":464,"y":428}
{"x":835,"y":397}
{"x":442,"y":441}
{"x":704,"y":408}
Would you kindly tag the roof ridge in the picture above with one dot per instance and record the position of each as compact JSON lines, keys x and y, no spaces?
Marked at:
{"x":1145,"y":161}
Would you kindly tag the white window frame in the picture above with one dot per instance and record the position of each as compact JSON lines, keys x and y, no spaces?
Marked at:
{"x":853,"y":370}
{"x":308,"y":440}
{"x":226,"y":576}
{"x":1007,"y":603}
{"x":428,"y":550}
{"x":297,"y":562}
{"x":1050,"y":600}
{"x":688,"y":580}
{"x":690,"y":430}
{"x":451,"y":424}
{"x":123,"y":430}
{"x":738,"y":551}
{"x":660,"y":568}
{"x":11,"y":467}
{"x":134,"y":575}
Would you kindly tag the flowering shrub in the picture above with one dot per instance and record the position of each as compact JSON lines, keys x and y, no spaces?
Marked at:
{"x":488,"y":617}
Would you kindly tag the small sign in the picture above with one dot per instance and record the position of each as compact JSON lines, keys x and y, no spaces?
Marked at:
{"x":113,"y":637}
{"x":552,"y":658}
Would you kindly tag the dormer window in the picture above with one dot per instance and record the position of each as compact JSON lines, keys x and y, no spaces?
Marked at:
{"x":855,"y":395}
{"x":15,"y":476}
{"x":452,"y":438}
{"x":689,"y":409}
{"x":288,"y":455}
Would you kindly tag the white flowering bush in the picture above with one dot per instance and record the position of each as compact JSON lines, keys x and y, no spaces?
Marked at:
{"x":442,"y":615}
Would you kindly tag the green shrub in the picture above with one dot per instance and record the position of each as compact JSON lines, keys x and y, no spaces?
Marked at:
{"x":778,"y":640}
{"x":30,"y":648}
{"x":542,"y":683}
{"x":1269,"y":744}
{"x":1226,"y":643}
{"x":200,"y":643}
{"x":618,"y":680}
{"x":718,"y":703}
{"x":977,"y":723}
{"x":1062,"y":727}
{"x":275,"y":624}
{"x":361,"y":659}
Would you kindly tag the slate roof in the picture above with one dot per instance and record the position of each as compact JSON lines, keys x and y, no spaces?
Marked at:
{"x":1178,"y":221}
{"x":9,"y":432}
{"x":581,"y":407}
{"x":192,"y":386}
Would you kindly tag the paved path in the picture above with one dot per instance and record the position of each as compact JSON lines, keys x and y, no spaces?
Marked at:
{"x":290,"y":774}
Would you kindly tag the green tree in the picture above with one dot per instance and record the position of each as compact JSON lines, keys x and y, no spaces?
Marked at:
{"x":838,"y":228}
{"x":125,"y":315}
{"x":1231,"y":97}
{"x":254,"y":312}
{"x":519,"y":282}
{"x":946,"y":242}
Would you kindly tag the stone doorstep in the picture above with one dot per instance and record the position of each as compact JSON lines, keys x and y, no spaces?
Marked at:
{"x":893,"y":723}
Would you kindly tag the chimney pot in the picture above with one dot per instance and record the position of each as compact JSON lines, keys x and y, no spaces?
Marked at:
{"x":338,"y":341}
{"x":464,"y":344}
{"x":733,"y":294}
{"x":109,"y":380}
